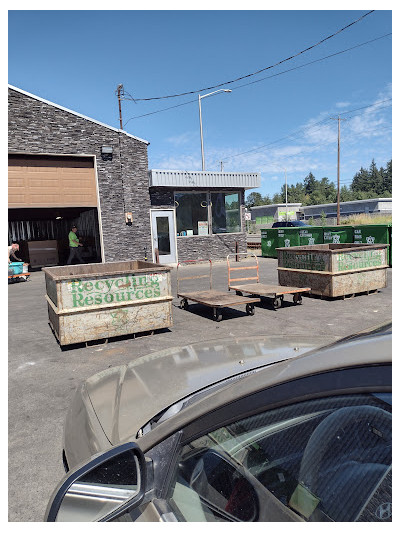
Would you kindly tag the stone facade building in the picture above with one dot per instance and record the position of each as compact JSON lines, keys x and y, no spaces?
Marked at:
{"x":66,"y":168}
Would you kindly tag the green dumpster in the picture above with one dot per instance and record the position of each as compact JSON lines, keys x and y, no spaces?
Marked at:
{"x":288,"y":237}
{"x":373,"y":234}
{"x":269,"y":242}
{"x":311,"y":235}
{"x":338,"y":234}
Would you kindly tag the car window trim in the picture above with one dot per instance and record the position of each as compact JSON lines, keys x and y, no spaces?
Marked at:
{"x":352,"y":380}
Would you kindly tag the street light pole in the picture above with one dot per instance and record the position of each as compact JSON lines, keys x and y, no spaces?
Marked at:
{"x":203,"y":166}
{"x":201,"y":137}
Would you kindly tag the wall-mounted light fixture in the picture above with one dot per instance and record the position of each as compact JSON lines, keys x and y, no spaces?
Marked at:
{"x":128,"y":219}
{"x":106,"y":153}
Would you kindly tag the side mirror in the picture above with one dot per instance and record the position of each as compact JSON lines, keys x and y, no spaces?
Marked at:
{"x":102,"y":489}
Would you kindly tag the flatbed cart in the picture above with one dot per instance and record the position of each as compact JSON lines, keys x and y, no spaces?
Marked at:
{"x":274,"y":292}
{"x":211,"y":298}
{"x":18,"y":277}
{"x":18,"y":271}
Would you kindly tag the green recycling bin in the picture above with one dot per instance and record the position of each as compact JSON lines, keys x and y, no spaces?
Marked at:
{"x":288,"y":237}
{"x":374,"y":234}
{"x":269,"y":242}
{"x":338,"y":234}
{"x":311,"y":235}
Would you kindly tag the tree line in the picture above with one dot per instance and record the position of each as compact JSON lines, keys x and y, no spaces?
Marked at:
{"x":367,"y":183}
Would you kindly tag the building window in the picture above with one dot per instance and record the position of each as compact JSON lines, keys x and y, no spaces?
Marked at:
{"x":225,"y":209}
{"x":191,"y":213}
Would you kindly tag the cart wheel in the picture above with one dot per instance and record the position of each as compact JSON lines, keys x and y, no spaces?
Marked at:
{"x":250,"y":309}
{"x":239,"y":293}
{"x":297,"y":299}
{"x":183,"y":304}
{"x":217,"y":314}
{"x":277,"y":303}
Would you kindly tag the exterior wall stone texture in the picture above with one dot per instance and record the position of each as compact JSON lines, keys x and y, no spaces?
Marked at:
{"x":36,"y":127}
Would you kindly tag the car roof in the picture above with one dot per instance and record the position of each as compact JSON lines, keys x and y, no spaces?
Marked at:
{"x":368,"y":349}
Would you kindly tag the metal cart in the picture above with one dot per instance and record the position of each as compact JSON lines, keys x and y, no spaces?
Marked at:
{"x":14,"y":276}
{"x":274,"y":292}
{"x":211,"y":298}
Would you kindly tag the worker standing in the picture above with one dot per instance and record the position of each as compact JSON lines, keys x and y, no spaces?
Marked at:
{"x":74,"y":244}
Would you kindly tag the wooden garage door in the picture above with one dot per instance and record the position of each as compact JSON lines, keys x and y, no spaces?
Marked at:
{"x":47,"y":181}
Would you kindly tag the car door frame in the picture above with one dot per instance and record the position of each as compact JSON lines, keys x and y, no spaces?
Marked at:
{"x":353,"y":380}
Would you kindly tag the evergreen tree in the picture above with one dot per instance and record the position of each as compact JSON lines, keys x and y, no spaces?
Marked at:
{"x":367,"y":183}
{"x":277,"y":198}
{"x":375,"y":179}
{"x":360,"y":180}
{"x":310,"y":184}
{"x":254,"y":199}
{"x":346,"y":195}
{"x":387,"y":179}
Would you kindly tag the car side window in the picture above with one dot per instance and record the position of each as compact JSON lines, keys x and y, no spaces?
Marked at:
{"x":325,"y":459}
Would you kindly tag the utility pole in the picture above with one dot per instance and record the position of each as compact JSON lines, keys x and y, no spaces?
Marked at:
{"x":286,"y":194}
{"x":120,"y":91}
{"x":222,"y":165}
{"x":338,"y":170}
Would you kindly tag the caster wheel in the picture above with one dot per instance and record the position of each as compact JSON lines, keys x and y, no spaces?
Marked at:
{"x":183,"y":304}
{"x":277,"y":303}
{"x":239,"y":293}
{"x":250,"y":309}
{"x":217,"y":316}
{"x":297,"y":299}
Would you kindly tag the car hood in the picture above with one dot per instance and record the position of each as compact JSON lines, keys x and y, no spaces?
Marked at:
{"x":127,"y":397}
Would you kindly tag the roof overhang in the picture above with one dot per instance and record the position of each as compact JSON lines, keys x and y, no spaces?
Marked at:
{"x":75,"y":113}
{"x":204,"y":179}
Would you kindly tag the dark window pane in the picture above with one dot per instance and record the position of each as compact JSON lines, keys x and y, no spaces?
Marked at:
{"x":191,"y":213}
{"x":225,"y":212}
{"x":321,"y":460}
{"x":164,"y":247}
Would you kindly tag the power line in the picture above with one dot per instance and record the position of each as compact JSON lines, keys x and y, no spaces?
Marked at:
{"x":366,"y":106}
{"x":314,"y":61}
{"x":259,"y":80}
{"x":301,"y":130}
{"x":260,"y":70}
{"x":334,"y":141}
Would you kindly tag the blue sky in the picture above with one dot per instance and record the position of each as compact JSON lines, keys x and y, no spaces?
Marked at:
{"x":77,"y":58}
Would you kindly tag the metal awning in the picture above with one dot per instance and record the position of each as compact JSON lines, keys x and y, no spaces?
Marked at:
{"x":204,"y":179}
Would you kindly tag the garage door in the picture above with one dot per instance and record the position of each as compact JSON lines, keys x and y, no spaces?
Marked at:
{"x":47,"y":181}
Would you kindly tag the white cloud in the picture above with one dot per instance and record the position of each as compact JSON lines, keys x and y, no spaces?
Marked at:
{"x":178,"y":162}
{"x":312,"y":147}
{"x":341,"y":105}
{"x":180,"y":140}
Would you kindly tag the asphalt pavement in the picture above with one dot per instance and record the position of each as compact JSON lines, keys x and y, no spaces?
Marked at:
{"x":43,"y":377}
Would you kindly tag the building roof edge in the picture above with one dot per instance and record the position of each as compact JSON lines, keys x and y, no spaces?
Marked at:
{"x":17,"y":89}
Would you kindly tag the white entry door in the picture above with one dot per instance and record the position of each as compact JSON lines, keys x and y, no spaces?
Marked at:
{"x":164,"y":235}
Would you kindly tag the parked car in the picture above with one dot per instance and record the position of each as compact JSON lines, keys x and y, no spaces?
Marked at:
{"x":291,"y":224}
{"x":261,"y":429}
